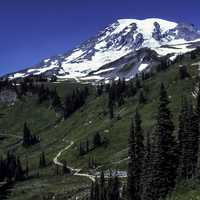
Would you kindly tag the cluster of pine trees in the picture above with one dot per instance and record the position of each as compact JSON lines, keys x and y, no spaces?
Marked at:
{"x":74,"y":101}
{"x":117,"y":91}
{"x":161,"y":160}
{"x":155,"y":166}
{"x":11,"y":169}
{"x":103,"y":189}
{"x":28,"y":138}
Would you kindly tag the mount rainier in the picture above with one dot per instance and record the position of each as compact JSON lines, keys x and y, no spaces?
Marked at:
{"x":123,"y":49}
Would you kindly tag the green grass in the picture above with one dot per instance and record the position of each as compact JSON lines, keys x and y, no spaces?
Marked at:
{"x":83,"y":124}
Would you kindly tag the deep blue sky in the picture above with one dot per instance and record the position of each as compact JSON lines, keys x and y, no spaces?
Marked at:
{"x":31,"y":30}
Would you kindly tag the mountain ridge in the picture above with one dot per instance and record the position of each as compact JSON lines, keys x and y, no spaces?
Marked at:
{"x":115,"y":42}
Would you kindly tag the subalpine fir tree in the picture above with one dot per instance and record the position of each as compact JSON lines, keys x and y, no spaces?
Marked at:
{"x":142,"y":98}
{"x":182,"y":138}
{"x":26,"y":135}
{"x":137,"y":82}
{"x":132,"y":179}
{"x":198,"y":117}
{"x":139,"y":153}
{"x":183,"y":73}
{"x":102,"y":187}
{"x":96,"y":190}
{"x":188,"y":142}
{"x":92,"y":192}
{"x":147,"y":172}
{"x":164,"y":151}
{"x":42,"y":162}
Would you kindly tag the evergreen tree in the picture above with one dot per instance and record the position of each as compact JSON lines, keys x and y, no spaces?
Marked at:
{"x":81,"y":149}
{"x":87,"y":146}
{"x":56,"y":102}
{"x":42,"y":162}
{"x":115,"y":195}
{"x":97,"y":141}
{"x":111,"y":100}
{"x":164,"y":151}
{"x":65,"y":169}
{"x":92,"y":192}
{"x":96,"y":190}
{"x":137,"y":82}
{"x":132,"y":179}
{"x":183,"y":73}
{"x":26,"y":135}
{"x":147,"y":172}
{"x":102,"y":187}
{"x":142,"y":98}
{"x":188,"y":142}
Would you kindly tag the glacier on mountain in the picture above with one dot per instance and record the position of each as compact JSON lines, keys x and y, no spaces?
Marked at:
{"x":116,"y":41}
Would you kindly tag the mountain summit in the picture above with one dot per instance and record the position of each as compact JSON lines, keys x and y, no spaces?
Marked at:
{"x":105,"y":55}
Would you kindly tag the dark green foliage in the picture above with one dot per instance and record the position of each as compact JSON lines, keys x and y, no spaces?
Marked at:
{"x":55,"y":100}
{"x":74,"y":101}
{"x":42,"y":162}
{"x":81,"y":149}
{"x":188,"y":136}
{"x":105,"y":190}
{"x":142,"y":98}
{"x":65,"y":169}
{"x":136,"y":159}
{"x":11,"y":168}
{"x":28,"y":138}
{"x":137,"y":82}
{"x":147,"y":171}
{"x":100,"y":89}
{"x":111,"y":108}
{"x":183,"y":72}
{"x":43,"y":94}
{"x":97,"y":141}
{"x":164,"y":151}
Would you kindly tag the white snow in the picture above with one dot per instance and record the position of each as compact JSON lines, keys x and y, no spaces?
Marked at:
{"x":77,"y":65}
{"x":97,"y":61}
{"x":104,"y":70}
{"x":47,"y":60}
{"x":91,"y":78}
{"x":17,"y":75}
{"x":76,"y":54}
{"x":142,"y":67}
{"x":100,"y":45}
{"x":42,"y":70}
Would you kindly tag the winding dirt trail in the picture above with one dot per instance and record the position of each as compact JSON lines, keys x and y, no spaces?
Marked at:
{"x":75,"y":171}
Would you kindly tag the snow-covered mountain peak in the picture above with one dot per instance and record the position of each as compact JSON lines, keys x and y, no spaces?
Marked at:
{"x":115,"y":41}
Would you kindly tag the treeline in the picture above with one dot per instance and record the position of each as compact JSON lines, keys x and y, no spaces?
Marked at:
{"x":118,"y":91}
{"x":29,"y":86}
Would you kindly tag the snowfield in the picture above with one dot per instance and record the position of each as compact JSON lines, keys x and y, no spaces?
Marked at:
{"x":116,"y":41}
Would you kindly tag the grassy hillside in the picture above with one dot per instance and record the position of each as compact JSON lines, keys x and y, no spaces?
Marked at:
{"x":56,"y":134}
